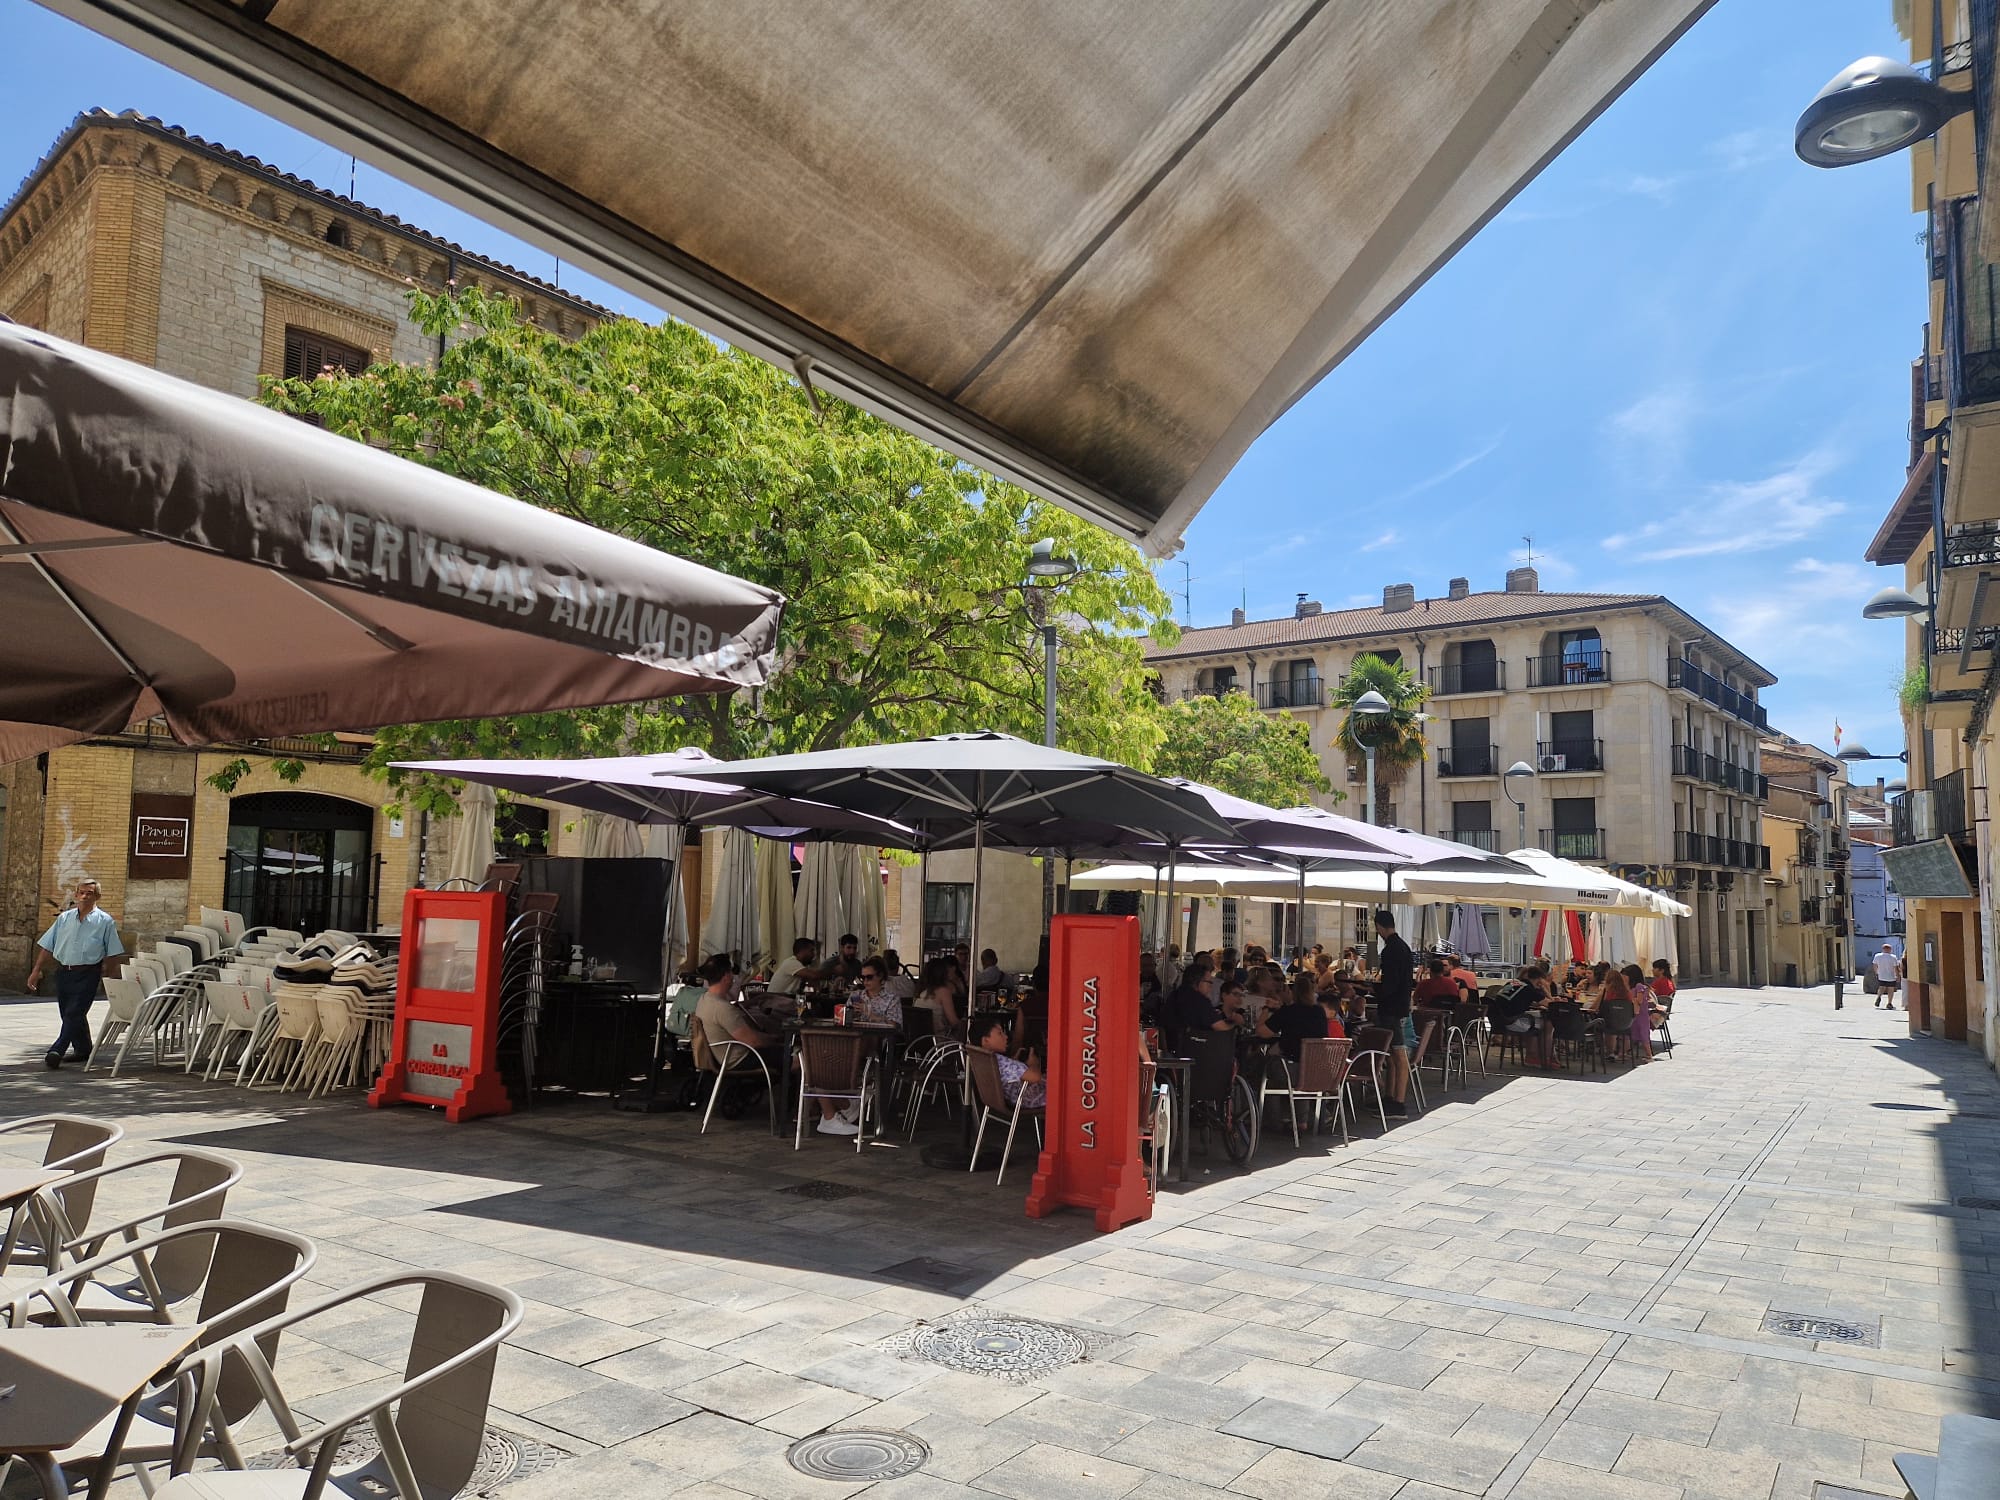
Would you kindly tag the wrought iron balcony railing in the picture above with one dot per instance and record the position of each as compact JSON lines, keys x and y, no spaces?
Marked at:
{"x":1573,"y":668}
{"x":1477,"y":838}
{"x":1574,"y":843}
{"x":1470,"y":760}
{"x":1569,"y":755}
{"x":1469,"y":677}
{"x":1292,"y":692}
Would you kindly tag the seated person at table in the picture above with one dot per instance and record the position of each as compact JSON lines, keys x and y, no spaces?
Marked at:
{"x":1020,"y":1081}
{"x":1465,"y":979}
{"x":896,"y":982}
{"x":1437,"y":987}
{"x":1592,"y":989}
{"x":846,"y":965}
{"x":1662,"y":985}
{"x":795,"y":973}
{"x":1333,"y":1007}
{"x":1509,"y":1005}
{"x":722,"y":1020}
{"x":872,"y":1002}
{"x":937,"y":994}
{"x":1149,"y":982}
{"x":1294,"y":1021}
{"x":1350,"y":962}
{"x":990,"y":976}
{"x":1190,"y":1009}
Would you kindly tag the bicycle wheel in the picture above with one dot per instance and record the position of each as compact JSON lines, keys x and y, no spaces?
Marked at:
{"x":1239,"y":1121}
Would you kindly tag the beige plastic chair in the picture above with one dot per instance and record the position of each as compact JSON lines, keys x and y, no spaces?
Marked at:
{"x":991,"y":1098}
{"x":251,"y":1271}
{"x":297,"y":1008}
{"x":835,"y":1063}
{"x":200,"y":1186}
{"x":125,"y":996}
{"x":430,"y":1425}
{"x":178,"y":957}
{"x":77,"y":1143}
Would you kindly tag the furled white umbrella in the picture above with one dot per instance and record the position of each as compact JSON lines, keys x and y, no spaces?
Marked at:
{"x":775,"y":924}
{"x":818,"y":911}
{"x":471,"y":848}
{"x":666,"y":841}
{"x":1468,"y":931}
{"x":606,"y":836}
{"x":871,"y":904}
{"x":732,"y":910}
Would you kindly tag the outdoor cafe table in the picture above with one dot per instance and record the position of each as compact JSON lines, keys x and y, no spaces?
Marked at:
{"x":17,"y":1183}
{"x":67,"y":1380}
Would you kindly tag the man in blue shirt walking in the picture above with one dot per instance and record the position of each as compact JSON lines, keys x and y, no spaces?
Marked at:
{"x":77,"y":943}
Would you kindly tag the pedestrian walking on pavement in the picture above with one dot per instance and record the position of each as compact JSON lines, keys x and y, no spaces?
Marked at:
{"x":77,"y":943}
{"x":1888,"y":976}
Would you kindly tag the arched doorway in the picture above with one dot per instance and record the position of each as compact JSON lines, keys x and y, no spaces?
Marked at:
{"x":300,"y":861}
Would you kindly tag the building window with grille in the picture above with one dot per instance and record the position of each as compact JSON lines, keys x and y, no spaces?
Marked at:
{"x":309,"y":355}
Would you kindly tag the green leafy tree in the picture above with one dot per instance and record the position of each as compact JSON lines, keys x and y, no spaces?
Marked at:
{"x":1397,"y":736}
{"x":1227,"y":743}
{"x":901,"y":566}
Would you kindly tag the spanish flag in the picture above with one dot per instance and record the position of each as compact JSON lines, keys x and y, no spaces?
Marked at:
{"x":1836,"y":734}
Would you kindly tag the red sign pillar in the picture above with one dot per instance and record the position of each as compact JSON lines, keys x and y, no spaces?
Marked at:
{"x":1090,"y":1157}
{"x":446,"y":1044}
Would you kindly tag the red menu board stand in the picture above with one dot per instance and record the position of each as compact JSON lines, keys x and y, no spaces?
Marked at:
{"x":448,"y":1006}
{"x":1090,"y":1154}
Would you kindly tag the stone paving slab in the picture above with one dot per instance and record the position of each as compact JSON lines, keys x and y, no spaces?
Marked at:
{"x":1550,"y":1286}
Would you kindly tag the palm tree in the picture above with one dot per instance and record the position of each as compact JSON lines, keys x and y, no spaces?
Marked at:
{"x":1398,"y":735}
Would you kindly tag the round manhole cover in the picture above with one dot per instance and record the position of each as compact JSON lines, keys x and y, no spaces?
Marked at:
{"x":1011,"y":1347}
{"x":857,"y":1457}
{"x":504,"y":1458}
{"x":1821,"y":1328}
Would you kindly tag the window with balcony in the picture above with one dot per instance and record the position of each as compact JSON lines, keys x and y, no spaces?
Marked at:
{"x":1296,"y":684}
{"x":1471,"y":752}
{"x":1472,"y":823}
{"x":1570,"y":658}
{"x":1574,"y":833}
{"x":1221,"y":680}
{"x":1468,"y":667}
{"x":1572,"y":744}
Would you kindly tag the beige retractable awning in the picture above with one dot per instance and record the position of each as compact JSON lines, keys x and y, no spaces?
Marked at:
{"x":1096,"y":246}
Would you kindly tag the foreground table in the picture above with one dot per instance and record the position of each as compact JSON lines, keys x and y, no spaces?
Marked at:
{"x":67,"y":1380}
{"x":17,"y":1183}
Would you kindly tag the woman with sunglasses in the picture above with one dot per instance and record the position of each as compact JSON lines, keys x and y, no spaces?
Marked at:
{"x":873,"y":1002}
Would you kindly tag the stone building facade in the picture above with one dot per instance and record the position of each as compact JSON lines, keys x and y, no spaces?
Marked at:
{"x":1805,"y":823}
{"x":1643,"y":726}
{"x":135,"y":238}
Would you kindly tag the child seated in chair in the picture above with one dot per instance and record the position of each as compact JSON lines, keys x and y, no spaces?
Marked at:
{"x":1020,"y":1081}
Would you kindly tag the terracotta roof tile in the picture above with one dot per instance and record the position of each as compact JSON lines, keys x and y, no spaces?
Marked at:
{"x":1373,"y":620}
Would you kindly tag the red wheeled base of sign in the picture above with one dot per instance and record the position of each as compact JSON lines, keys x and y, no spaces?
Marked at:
{"x":448,"y":1007}
{"x":1090,"y":1151}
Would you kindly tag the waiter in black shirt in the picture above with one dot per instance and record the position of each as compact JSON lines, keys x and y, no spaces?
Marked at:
{"x":1392,"y":1006}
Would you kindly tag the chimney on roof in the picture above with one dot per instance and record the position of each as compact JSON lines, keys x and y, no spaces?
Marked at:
{"x":1523,"y":581}
{"x":1305,"y":608}
{"x":1236,"y":617}
{"x":1458,"y":588}
{"x":1398,"y":597}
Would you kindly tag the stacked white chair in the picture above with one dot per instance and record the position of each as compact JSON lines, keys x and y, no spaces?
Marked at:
{"x":126,"y":995}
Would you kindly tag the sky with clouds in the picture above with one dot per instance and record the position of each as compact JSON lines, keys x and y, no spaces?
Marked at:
{"x":1679,"y":361}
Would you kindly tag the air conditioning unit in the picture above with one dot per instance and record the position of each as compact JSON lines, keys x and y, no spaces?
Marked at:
{"x":1552,"y":763}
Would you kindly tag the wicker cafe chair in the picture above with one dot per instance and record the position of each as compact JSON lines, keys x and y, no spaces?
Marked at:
{"x":1368,"y":1063}
{"x":1321,"y":1075}
{"x":248,"y":1272}
{"x":835,"y":1063}
{"x":431,"y":1425}
{"x":723,"y":1059}
{"x":993,"y":1107}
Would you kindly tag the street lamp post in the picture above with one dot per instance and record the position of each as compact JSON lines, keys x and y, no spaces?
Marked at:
{"x":1372,"y":705}
{"x":1520,"y":770}
{"x":1045,"y":569}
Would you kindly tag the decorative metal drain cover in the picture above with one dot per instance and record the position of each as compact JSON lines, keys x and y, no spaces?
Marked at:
{"x":822,"y":1192}
{"x":1006,"y":1348}
{"x":504,"y":1458}
{"x":857,"y":1456}
{"x":1818,"y":1326}
{"x":1991,"y":1205}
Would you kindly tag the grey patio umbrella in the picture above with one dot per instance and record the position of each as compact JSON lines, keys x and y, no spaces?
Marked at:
{"x":170,"y":550}
{"x":960,"y":787}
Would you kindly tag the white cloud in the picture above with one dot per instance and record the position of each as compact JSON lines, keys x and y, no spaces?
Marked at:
{"x":1386,"y":539}
{"x":1748,"y":515}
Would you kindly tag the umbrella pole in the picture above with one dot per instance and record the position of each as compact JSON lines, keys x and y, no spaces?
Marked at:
{"x":1173,"y":934}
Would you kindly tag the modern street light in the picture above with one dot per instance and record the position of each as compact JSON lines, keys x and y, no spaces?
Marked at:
{"x":1874,"y":107}
{"x":1893,"y":604}
{"x":1045,"y":569}
{"x":1520,"y":768}
{"x":1373,"y":705}
{"x":1860,"y":752}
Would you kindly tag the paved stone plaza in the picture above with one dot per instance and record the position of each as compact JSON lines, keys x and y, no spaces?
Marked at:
{"x":1549,"y":1286}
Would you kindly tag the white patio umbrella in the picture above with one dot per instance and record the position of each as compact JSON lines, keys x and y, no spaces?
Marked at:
{"x":818,"y":911}
{"x":666,"y":841}
{"x":775,"y":928}
{"x":606,"y":836}
{"x":471,"y":836}
{"x":732,"y":913}
{"x":870,"y":904}
{"x":1468,"y":931}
